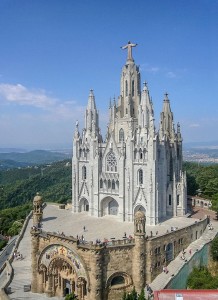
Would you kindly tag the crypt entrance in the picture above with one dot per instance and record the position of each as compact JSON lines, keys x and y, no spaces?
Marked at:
{"x":61,"y":273}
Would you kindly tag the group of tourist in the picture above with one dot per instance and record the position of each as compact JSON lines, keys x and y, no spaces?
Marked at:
{"x":18,"y":255}
{"x":210,"y":226}
{"x":165,"y":270}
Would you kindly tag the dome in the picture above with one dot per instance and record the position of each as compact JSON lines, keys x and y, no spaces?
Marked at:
{"x":37,"y":198}
{"x":139,"y":214}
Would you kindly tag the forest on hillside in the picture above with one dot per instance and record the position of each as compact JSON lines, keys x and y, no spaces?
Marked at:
{"x":202,"y":180}
{"x":18,"y":187}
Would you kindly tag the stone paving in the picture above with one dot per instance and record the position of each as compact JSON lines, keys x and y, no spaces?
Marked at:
{"x":58,"y":220}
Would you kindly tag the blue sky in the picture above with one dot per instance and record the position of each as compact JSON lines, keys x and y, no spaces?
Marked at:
{"x":53,"y":52}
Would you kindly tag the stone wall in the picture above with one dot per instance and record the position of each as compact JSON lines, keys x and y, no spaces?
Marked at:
{"x":156,"y":247}
{"x":108,"y":268}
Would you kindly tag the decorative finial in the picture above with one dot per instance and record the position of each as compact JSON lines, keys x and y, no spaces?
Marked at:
{"x":110,"y":103}
{"x":129,"y":47}
{"x":166,"y":96}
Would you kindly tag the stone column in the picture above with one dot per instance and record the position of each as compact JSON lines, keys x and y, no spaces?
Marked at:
{"x":49,"y":291}
{"x":41,"y":281}
{"x":138,"y":259}
{"x":62,"y":287}
{"x":96,"y":265}
{"x":34,"y":256}
{"x":79,"y":289}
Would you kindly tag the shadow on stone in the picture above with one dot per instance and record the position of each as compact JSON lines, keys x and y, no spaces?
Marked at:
{"x":49,"y":219}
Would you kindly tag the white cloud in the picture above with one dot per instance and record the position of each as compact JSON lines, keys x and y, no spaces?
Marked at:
{"x":151,"y":69}
{"x":170,"y":74}
{"x":194,"y":125}
{"x":19,"y":94}
{"x":38,"y":98}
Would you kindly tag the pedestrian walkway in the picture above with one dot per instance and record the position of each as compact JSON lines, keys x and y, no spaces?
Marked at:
{"x":175,"y":266}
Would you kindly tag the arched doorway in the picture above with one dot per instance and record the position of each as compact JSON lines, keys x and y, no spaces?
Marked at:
{"x":113,"y":207}
{"x":109,"y":206}
{"x":67,"y":288}
{"x":139,"y":208}
{"x":169,"y":252}
{"x":83,"y":205}
{"x":62,"y":272}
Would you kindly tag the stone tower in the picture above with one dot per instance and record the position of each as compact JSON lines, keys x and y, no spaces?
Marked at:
{"x":35,"y":231}
{"x":139,"y":254}
{"x":37,"y":210}
{"x":136,"y":167}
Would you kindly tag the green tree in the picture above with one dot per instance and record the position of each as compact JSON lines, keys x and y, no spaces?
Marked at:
{"x":142,"y":295}
{"x":201,"y":278}
{"x":214,"y":249}
{"x":71,"y":296}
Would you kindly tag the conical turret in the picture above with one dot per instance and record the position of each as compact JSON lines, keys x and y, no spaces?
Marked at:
{"x":91,"y":115}
{"x":166,"y":117}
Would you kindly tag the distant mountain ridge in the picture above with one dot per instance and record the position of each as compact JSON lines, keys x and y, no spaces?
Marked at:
{"x":24,"y":159}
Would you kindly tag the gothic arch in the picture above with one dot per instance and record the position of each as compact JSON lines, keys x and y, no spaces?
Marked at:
{"x":121,"y":135}
{"x":83,"y":205}
{"x":84,"y":172}
{"x":140,"y":176}
{"x":139,"y":207}
{"x":126,"y":88}
{"x":62,"y":270}
{"x":109,"y":206}
{"x":127,"y":280}
{"x":111,"y":162}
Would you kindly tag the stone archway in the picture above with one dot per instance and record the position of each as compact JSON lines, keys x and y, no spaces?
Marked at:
{"x":83,"y":205}
{"x":139,"y":208}
{"x":62,"y":272}
{"x":109,"y":206}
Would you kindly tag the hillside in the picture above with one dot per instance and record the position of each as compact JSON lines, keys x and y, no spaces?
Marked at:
{"x":19,"y":186}
{"x":36,"y":157}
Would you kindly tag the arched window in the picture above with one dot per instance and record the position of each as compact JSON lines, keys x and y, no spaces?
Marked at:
{"x":111,"y":162}
{"x":135,"y":153}
{"x":113,"y":185}
{"x":140,"y":154}
{"x":83,"y":172}
{"x":126,"y":88}
{"x":140,"y":176}
{"x":133,"y":88}
{"x":109,"y":184}
{"x":117,"y":280}
{"x":101,"y":183}
{"x":121,"y":135}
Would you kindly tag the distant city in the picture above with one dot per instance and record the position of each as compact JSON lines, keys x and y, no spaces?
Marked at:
{"x":16,"y":157}
{"x":201,"y":152}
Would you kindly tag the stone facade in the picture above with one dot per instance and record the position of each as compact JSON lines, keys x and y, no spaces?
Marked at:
{"x":61,"y":264}
{"x":136,"y":167}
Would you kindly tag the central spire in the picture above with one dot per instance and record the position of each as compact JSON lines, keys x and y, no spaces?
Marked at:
{"x":129,"y":47}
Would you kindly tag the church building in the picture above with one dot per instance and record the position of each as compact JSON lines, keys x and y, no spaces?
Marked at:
{"x":136,"y":167}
